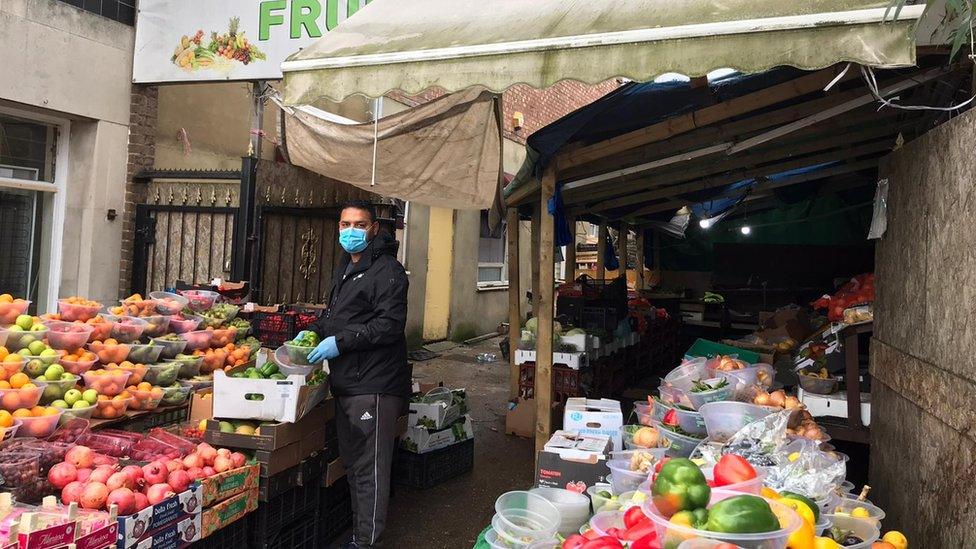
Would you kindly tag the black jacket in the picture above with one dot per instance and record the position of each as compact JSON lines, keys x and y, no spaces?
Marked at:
{"x":367,"y":314}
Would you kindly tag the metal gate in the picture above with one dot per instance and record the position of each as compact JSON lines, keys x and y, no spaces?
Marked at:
{"x":296,"y":254}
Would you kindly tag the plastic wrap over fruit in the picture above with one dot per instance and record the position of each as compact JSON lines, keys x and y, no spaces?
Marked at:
{"x":758,"y":442}
{"x":802,"y":467}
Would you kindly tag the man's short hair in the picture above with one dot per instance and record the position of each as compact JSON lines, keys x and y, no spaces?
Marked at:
{"x":360,"y":205}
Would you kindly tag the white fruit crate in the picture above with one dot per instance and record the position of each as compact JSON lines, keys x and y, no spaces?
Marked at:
{"x":834,"y":405}
{"x":574,"y":361}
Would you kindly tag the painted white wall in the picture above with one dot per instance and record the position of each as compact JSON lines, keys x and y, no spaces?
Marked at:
{"x":63,"y":62}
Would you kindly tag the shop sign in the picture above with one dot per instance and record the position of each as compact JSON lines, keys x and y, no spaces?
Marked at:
{"x":194,"y":41}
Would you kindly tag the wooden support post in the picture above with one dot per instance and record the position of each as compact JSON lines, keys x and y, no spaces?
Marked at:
{"x":514,"y":301}
{"x":543,"y":345}
{"x":571,"y":251}
{"x":622,"y":238}
{"x":536,"y":219}
{"x":601,"y":251}
{"x":641,"y":282}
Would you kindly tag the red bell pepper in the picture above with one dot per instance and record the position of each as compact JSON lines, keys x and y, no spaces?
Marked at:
{"x":633,"y":516}
{"x":649,"y":541}
{"x":574,"y":542}
{"x":605,"y":542}
{"x":732,"y":469}
{"x":670,"y":418}
{"x":639,"y":530}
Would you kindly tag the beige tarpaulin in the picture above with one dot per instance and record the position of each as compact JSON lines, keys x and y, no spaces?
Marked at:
{"x":444,"y":153}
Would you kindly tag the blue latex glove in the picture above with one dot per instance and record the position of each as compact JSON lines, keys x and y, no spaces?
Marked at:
{"x":301,"y":334}
{"x":326,"y":350}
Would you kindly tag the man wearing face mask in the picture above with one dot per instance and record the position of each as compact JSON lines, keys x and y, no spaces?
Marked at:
{"x":363,"y":339}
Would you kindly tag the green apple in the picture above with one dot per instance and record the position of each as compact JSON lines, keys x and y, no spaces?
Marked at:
{"x":28,"y":339}
{"x":53,"y":372}
{"x":25,"y":322}
{"x":25,"y":352}
{"x":226,"y":427}
{"x":15,"y":328}
{"x":52,"y":392}
{"x":35,"y":368}
{"x":67,"y":376}
{"x":38,"y":327}
{"x":37,"y":347}
{"x":71,"y":396}
{"x":90,"y":396}
{"x":81,"y":404}
{"x":60,"y":404}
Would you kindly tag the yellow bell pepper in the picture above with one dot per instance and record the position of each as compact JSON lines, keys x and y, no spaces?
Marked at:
{"x":825,"y":543}
{"x":801,"y":509}
{"x":802,"y":538}
{"x":769,"y":493}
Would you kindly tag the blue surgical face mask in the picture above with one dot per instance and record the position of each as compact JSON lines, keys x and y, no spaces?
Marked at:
{"x":353,"y":240}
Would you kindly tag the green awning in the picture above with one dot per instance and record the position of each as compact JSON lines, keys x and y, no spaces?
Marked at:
{"x":412,"y":45}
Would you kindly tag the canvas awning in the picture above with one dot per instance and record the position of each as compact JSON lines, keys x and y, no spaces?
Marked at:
{"x":412,"y":45}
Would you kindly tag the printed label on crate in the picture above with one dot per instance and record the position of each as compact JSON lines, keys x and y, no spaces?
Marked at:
{"x":99,"y":539}
{"x":14,"y":545}
{"x":133,"y":527}
{"x":420,"y":440}
{"x":172,"y":536}
{"x":230,"y":483}
{"x":228,"y":511}
{"x":55,"y":536}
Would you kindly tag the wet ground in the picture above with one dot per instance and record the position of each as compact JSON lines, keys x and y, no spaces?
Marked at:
{"x":452,"y":514}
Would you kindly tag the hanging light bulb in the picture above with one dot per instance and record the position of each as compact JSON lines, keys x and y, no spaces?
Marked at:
{"x":746,"y":230}
{"x":705,"y":223}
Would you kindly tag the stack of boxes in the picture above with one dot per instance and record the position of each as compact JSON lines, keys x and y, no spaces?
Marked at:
{"x":575,"y":458}
{"x":439,"y":439}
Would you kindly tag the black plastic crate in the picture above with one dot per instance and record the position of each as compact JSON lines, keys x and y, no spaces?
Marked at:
{"x":277,"y":484}
{"x":300,"y":534}
{"x":235,"y":535}
{"x":432,"y":468}
{"x":335,"y":511}
{"x":273,"y":329}
{"x":300,"y":502}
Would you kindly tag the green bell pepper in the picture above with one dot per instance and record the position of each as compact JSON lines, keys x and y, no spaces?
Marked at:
{"x":268,"y":369}
{"x":692,"y":519}
{"x":680,"y":486}
{"x":741,"y":515}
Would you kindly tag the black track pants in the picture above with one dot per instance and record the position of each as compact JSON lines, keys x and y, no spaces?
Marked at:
{"x":366,"y":426}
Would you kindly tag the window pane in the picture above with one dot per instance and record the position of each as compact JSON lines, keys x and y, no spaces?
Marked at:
{"x":491,"y":250}
{"x":26,"y":149}
{"x":489,"y":274}
{"x":19,"y":232}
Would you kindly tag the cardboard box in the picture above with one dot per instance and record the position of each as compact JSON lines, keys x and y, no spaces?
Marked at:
{"x":274,"y":461}
{"x":420,"y":440}
{"x":201,"y":407}
{"x":432,"y":416}
{"x":284,"y":399}
{"x":595,"y":417}
{"x":556,"y":471}
{"x":132,"y":528}
{"x":334,"y":473}
{"x":228,"y":511}
{"x":175,"y":535}
{"x":99,"y":539}
{"x":520,"y":420}
{"x":273,"y":437}
{"x":574,"y":445}
{"x":229,"y":483}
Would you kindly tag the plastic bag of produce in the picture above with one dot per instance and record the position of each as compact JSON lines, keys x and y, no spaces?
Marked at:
{"x":802,"y":467}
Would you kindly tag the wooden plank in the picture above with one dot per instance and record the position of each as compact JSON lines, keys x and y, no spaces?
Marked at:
{"x":766,"y":186}
{"x":641,"y":282}
{"x":702,"y":117}
{"x":514,"y":301}
{"x":543,"y":365}
{"x":523,"y":194}
{"x":601,"y":251}
{"x":689,"y":180}
{"x":536,"y":220}
{"x":571,"y":250}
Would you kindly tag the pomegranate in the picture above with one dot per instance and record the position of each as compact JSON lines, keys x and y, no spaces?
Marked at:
{"x":158,"y":492}
{"x":80,"y":457}
{"x":208,"y":471}
{"x":222,"y":464}
{"x":101,"y":474}
{"x":223,"y":452}
{"x":84,"y":474}
{"x":71,"y":493}
{"x":124,"y":499}
{"x":101,"y":459}
{"x":237,"y":459}
{"x":207,"y":453}
{"x":62,"y":474}
{"x":94,"y":495}
{"x":141,"y":501}
{"x":119,"y":480}
{"x":196,"y":473}
{"x":179,"y":481}
{"x":174,"y":465}
{"x":154,"y":473}
{"x":134,"y":473}
{"x":192,"y":461}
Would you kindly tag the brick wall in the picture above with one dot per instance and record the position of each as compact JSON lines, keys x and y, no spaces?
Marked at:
{"x":142,"y":150}
{"x":539,"y":107}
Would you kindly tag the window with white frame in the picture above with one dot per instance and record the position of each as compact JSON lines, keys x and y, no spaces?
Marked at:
{"x":492,"y":256}
{"x":27,"y":174}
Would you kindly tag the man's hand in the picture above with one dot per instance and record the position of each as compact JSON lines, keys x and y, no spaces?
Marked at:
{"x":326,"y":350}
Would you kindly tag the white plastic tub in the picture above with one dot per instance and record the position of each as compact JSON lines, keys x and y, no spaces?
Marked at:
{"x":859,"y":527}
{"x":724,"y":419}
{"x":573,"y":507}
{"x":702,"y":398}
{"x":682,"y":376}
{"x":624,"y":480}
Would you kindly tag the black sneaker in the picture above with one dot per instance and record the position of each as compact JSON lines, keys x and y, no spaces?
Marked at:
{"x":349,"y":545}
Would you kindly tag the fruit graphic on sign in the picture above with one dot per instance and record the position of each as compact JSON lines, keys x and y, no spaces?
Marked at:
{"x":218,"y":53}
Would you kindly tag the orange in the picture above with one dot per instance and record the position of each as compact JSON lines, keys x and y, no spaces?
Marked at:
{"x":18,"y":380}
{"x":103,"y":397}
{"x":3,"y":353}
{"x":51,"y":411}
{"x":37,"y":411}
{"x":6,"y":298}
{"x":10,"y":401}
{"x":145,"y":386}
{"x":4,"y":385}
{"x":6,"y":419}
{"x":13,"y":357}
{"x":21,"y":412}
{"x":121,"y":396}
{"x":28,"y":385}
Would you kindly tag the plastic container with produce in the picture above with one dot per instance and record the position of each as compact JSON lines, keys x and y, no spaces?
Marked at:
{"x":111,"y":407}
{"x":76,"y":308}
{"x":179,"y":324}
{"x":200,"y":300}
{"x":171,"y":344}
{"x":138,"y":371}
{"x":67,"y":335}
{"x":126,"y":329}
{"x":146,"y":353}
{"x":167,"y":303}
{"x":163,"y":374}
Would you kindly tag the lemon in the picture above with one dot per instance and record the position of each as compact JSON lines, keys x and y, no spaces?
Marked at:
{"x":794,"y":456}
{"x":860,"y":512}
{"x":638,"y":497}
{"x":897,"y":539}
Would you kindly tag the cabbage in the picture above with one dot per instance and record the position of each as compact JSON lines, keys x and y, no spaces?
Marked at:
{"x":576,"y":331}
{"x":532,"y":324}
